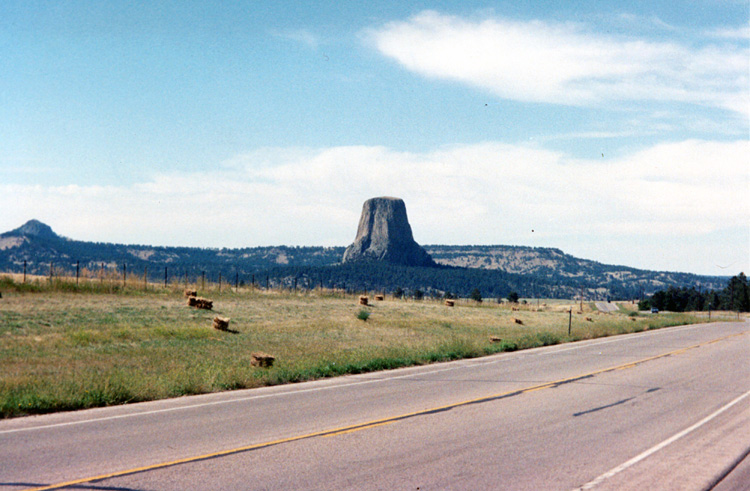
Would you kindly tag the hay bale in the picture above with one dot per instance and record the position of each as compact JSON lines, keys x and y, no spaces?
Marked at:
{"x":495,"y":339}
{"x":450,"y":303}
{"x":204,"y":303}
{"x":518,"y":321}
{"x":260,"y":359}
{"x":221,"y":323}
{"x":200,"y":303}
{"x":379,"y":298}
{"x":363,"y":300}
{"x":191,"y":293}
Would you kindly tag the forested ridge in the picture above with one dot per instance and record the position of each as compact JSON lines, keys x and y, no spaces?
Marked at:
{"x":494,"y":270}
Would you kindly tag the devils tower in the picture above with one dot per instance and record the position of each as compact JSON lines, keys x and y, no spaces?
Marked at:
{"x":384,"y":235}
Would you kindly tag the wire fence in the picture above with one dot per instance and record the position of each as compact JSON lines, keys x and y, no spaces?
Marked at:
{"x":111,"y":277}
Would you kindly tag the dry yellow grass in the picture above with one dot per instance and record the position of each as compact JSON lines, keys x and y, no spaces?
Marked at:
{"x":68,"y":350}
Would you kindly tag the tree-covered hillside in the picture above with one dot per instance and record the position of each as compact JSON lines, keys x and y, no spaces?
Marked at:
{"x":494,"y":270}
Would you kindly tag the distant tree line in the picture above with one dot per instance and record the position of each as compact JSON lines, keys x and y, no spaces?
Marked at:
{"x":735,"y":296}
{"x":440,"y":281}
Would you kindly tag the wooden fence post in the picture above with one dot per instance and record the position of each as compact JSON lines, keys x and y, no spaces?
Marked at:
{"x":570,"y":319}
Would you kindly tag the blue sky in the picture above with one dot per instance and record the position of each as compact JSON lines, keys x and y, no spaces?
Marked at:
{"x":615,"y":131}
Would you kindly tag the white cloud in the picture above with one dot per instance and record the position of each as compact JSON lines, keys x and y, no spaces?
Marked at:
{"x":537,"y":61}
{"x":489,"y":193}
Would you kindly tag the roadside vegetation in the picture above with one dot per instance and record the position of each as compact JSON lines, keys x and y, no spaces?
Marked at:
{"x":66,"y":346}
{"x":735,"y":296}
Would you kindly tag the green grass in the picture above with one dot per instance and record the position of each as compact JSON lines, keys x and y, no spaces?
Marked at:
{"x":66,"y":348}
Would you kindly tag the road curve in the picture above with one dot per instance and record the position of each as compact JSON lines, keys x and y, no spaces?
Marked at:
{"x":660,"y":409}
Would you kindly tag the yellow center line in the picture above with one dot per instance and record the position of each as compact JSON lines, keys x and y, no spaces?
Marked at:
{"x":342,"y":432}
{"x":378,"y":422}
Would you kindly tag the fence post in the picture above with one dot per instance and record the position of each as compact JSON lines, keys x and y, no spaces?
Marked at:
{"x":78,"y":264}
{"x":570,"y":319}
{"x":219,"y":281}
{"x":145,"y":277}
{"x":101,"y":273}
{"x":124,"y":274}
{"x":236,"y":280}
{"x":50,"y":272}
{"x":165,"y":276}
{"x":24,"y":270}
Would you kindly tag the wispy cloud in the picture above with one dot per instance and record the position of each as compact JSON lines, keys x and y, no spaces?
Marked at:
{"x":731,"y":32}
{"x":539,"y":61}
{"x":484,"y":193}
{"x":301,"y":36}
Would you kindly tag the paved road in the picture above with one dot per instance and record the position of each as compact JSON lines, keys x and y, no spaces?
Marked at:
{"x":607,"y":306}
{"x":666,"y":409}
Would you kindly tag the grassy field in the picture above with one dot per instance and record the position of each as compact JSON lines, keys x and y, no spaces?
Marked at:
{"x":67,"y":347}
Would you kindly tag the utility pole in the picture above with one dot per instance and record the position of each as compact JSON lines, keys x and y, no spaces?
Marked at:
{"x":581,"y":298}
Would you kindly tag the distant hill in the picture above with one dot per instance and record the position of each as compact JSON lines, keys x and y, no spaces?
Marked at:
{"x":495,"y":270}
{"x":556,"y":266}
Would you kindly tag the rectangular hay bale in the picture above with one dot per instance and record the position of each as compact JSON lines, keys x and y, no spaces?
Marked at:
{"x":200,"y":303}
{"x":260,"y":359}
{"x":221,"y":323}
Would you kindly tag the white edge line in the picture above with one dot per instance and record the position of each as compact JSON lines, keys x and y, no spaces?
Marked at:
{"x":659,"y":446}
{"x":561,"y":348}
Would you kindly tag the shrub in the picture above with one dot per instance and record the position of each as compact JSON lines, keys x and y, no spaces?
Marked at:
{"x":363,"y":315}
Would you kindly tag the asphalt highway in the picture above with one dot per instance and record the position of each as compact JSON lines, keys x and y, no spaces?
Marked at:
{"x":664,"y":409}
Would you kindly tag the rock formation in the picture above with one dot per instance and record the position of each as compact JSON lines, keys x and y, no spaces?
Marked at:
{"x":384,"y":235}
{"x":33,"y":228}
